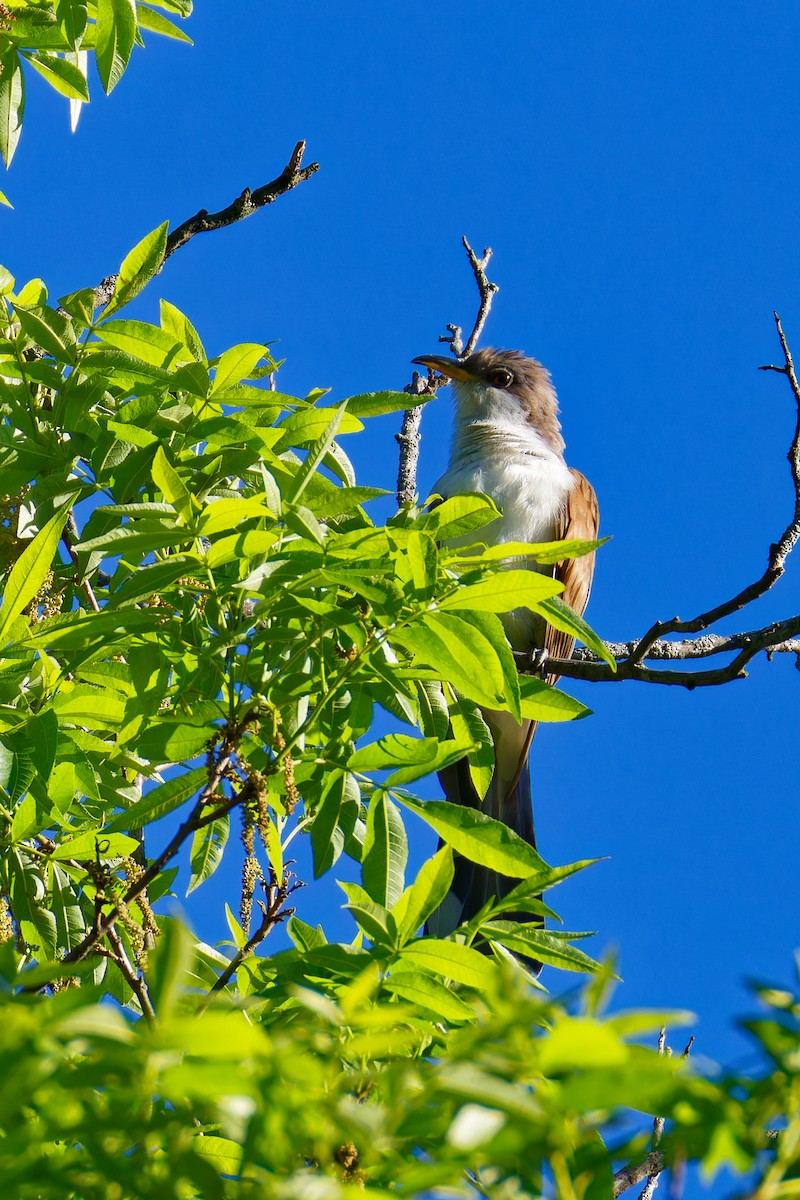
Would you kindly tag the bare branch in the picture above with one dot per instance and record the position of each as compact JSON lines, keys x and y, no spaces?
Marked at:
{"x":781,"y":637}
{"x":409,"y":436}
{"x":243,"y":206}
{"x":199,"y":817}
{"x":134,"y":980}
{"x":633,"y":1173}
{"x":778,"y":552}
{"x":486,"y":290}
{"x":273,"y":913}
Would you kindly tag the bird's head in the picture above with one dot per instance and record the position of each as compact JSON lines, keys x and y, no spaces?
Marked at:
{"x":501,"y":386}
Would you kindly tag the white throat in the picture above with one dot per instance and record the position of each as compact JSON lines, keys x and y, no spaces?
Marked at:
{"x":496,"y":452}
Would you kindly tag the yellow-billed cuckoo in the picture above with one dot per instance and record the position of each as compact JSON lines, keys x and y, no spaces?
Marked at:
{"x":507,"y":444}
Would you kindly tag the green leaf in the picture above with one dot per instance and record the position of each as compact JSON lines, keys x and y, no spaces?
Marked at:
{"x":385,"y":851}
{"x":208,"y":846}
{"x":428,"y":994}
{"x":30,"y":571}
{"x":41,"y":736}
{"x":452,"y":960}
{"x":315,"y":455}
{"x":64,"y":76}
{"x":168,"y":967}
{"x":425,"y":894}
{"x":12,"y":103}
{"x":171,"y":486}
{"x":50,"y":330}
{"x":172,"y":741}
{"x":224,"y":1155}
{"x":72,"y":16}
{"x":478,"y":837}
{"x":147,"y":342}
{"x":503,"y":592}
{"x":237,"y":364}
{"x":116,"y":34}
{"x":548,"y":947}
{"x":161,"y":800}
{"x":459,"y":515}
{"x":518,"y":553}
{"x":305,"y":937}
{"x":539,"y":701}
{"x":153,"y":21}
{"x":96,"y":845}
{"x":372,"y":918}
{"x":341,"y":791}
{"x":374,"y":404}
{"x":471,"y":654}
{"x":141,"y":264}
{"x":393,"y":750}
{"x":562,"y":617}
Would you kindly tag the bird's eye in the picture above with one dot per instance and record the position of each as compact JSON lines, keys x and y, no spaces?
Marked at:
{"x":500,"y":377}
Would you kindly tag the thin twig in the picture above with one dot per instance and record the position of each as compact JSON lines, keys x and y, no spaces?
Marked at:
{"x":780,"y":637}
{"x":273,"y":913}
{"x":409,"y":436}
{"x":68,"y":536}
{"x":197,"y":819}
{"x":243,"y":206}
{"x":132,"y":977}
{"x":778,"y":552}
{"x":658,"y":1128}
{"x":486,"y":290}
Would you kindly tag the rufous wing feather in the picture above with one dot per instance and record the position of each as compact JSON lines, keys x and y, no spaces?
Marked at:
{"x":580,"y":519}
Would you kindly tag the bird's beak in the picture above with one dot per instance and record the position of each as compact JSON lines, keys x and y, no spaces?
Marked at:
{"x":447,"y":366}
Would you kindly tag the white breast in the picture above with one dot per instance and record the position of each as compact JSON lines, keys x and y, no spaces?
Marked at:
{"x":525,"y":478}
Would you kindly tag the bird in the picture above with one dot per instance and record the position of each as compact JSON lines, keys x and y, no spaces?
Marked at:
{"x":507,"y":444}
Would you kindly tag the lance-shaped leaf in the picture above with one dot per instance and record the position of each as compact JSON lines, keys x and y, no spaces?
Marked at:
{"x":374,"y":404}
{"x":452,"y":960}
{"x":97,"y":845}
{"x":208,"y":846}
{"x":116,"y":34}
{"x":478,"y":837}
{"x":50,"y":330}
{"x":545,"y":945}
{"x":562,"y":617}
{"x":385,"y":851}
{"x":428,"y":994}
{"x":12,"y":103}
{"x":539,"y":701}
{"x":469,"y":650}
{"x":236,"y":364}
{"x":503,"y":592}
{"x":372,"y":918}
{"x":459,"y":515}
{"x":161,"y":800}
{"x":316,"y":454}
{"x":30,"y":571}
{"x":61,"y":74}
{"x":138,"y":268}
{"x":171,"y":486}
{"x":425,"y":894}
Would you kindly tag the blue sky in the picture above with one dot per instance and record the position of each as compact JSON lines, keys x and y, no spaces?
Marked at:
{"x":635,"y":168}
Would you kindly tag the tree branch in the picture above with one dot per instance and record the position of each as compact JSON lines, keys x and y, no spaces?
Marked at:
{"x":197,"y":819}
{"x":409,"y":436}
{"x":780,"y":637}
{"x":243,"y":206}
{"x":633,"y":1173}
{"x":132,"y":977}
{"x":273,"y":913}
{"x":778,"y":552}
